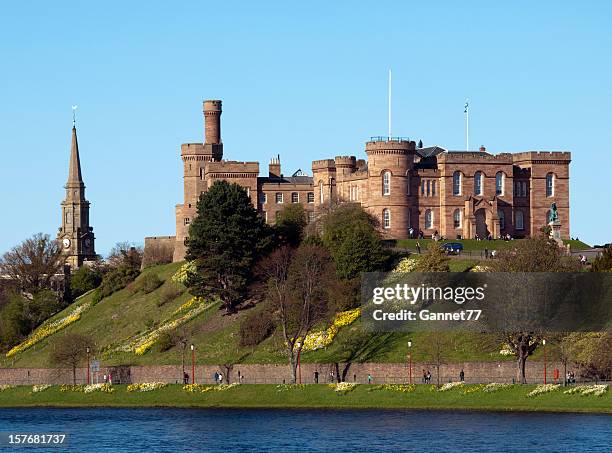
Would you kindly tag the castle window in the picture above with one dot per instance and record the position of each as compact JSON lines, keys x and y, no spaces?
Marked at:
{"x":311,"y":216}
{"x":457,"y":218}
{"x":321,"y":196}
{"x":386,"y":219}
{"x":279,"y":197}
{"x":478,"y":183}
{"x":423,"y":187}
{"x":386,"y":190}
{"x":457,"y":183}
{"x":186,"y":221}
{"x":428,"y":219}
{"x":519,"y":220}
{"x":502,"y":220}
{"x":499,"y":183}
{"x":263,"y":198}
{"x":295,"y":197}
{"x":428,"y":187}
{"x":550,"y":184}
{"x":265,"y":216}
{"x":310,"y":197}
{"x":524,"y":189}
{"x":433,"y":188}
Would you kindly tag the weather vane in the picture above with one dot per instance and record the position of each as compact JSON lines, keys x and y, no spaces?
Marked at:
{"x":74,"y":107}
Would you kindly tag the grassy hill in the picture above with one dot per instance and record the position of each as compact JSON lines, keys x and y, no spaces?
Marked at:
{"x":126,"y":318}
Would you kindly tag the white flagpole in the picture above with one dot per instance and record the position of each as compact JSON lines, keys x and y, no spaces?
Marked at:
{"x":389,"y":104}
{"x":467,"y":125}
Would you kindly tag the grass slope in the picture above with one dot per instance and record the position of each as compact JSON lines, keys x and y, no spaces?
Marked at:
{"x":315,"y":396}
{"x":126,"y":313}
{"x":471,"y":245}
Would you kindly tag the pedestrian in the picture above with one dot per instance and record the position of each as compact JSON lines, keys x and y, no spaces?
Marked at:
{"x":493,"y":254}
{"x":220,"y":378}
{"x":110,"y":379}
{"x":216,"y":377}
{"x":105,"y":379}
{"x":461,"y":375}
{"x":369,"y":378}
{"x":316,"y":377}
{"x":411,"y":232}
{"x":424,"y":379}
{"x":418,"y":247}
{"x":428,"y":378}
{"x":185,"y":378}
{"x":331,"y":376}
{"x":486,"y":250}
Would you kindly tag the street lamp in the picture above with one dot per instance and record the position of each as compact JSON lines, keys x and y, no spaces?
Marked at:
{"x":192,"y":364}
{"x":87,"y":349}
{"x":299,"y":366}
{"x":409,"y":362}
{"x":544,"y":345}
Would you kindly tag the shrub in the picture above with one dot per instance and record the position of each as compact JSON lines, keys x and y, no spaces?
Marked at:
{"x":83,"y":280}
{"x":256,"y":327}
{"x":115,"y":280}
{"x":168,"y":294}
{"x":150,"y":282}
{"x":166,"y":340}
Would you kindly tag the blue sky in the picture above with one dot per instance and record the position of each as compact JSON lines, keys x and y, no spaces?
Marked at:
{"x":307,"y":80}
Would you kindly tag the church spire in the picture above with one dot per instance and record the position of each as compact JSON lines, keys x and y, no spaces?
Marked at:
{"x":74,"y":174}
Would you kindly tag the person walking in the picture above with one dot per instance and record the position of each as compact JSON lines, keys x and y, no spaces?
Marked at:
{"x":316,"y":377}
{"x":369,"y":378}
{"x":418,"y":247}
{"x":216,"y":376}
{"x":220,"y":378}
{"x":185,"y":378}
{"x":462,"y":375}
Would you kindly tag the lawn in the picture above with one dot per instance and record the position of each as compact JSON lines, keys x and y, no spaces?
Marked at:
{"x":469,"y":397}
{"x":472,"y":245}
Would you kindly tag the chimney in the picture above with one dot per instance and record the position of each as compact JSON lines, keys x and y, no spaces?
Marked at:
{"x":212,"y":122}
{"x":275,"y":167}
{"x":482,"y":149}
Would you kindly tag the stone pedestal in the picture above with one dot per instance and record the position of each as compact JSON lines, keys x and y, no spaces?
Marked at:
{"x":555,"y":232}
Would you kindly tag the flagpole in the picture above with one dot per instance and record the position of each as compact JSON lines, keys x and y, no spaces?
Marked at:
{"x":389,"y":104}
{"x":467,"y":125}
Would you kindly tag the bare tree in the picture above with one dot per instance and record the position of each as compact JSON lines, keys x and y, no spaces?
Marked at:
{"x":33,"y":263}
{"x":157,"y":253}
{"x":296,"y":288}
{"x":124,"y":253}
{"x":69,"y":351}
{"x":436,"y":348}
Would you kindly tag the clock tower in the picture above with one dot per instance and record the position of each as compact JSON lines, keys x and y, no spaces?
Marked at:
{"x":75,"y":236}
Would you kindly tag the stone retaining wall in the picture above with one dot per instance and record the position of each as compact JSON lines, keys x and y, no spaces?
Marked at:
{"x":475,"y":372}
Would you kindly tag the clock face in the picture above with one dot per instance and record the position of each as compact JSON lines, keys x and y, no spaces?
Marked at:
{"x":66,"y":243}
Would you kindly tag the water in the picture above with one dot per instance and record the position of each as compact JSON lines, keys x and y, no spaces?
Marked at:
{"x":225,"y":430}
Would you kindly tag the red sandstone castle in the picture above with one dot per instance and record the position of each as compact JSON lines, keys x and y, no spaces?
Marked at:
{"x":457,"y":194}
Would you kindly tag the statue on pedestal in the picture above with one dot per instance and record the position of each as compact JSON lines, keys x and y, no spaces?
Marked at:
{"x":554,"y":215}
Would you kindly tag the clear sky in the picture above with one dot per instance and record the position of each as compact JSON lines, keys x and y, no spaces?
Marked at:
{"x":306,"y":80}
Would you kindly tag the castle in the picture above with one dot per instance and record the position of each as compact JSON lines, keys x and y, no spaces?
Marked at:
{"x":410,"y":189}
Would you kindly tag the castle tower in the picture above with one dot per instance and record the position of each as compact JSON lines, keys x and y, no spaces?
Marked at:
{"x":75,"y":235}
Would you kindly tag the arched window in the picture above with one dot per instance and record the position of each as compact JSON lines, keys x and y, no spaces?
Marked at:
{"x":407,"y":184}
{"x":457,"y":218}
{"x":423,"y":187}
{"x":499,"y":183}
{"x":321,"y":196}
{"x":550,"y":184}
{"x":386,"y":189}
{"x":502,"y":219}
{"x":457,"y":183}
{"x":519,"y":221}
{"x":386,"y":219}
{"x":428,"y":187}
{"x":433,"y":188}
{"x":478,"y":183}
{"x":428,"y":219}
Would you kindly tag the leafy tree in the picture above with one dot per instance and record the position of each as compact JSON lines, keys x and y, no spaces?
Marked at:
{"x":592,"y":351}
{"x":83,"y":280}
{"x":351,"y":236}
{"x":434,"y":260}
{"x":538,"y":254}
{"x":70,"y":350}
{"x":225,"y":240}
{"x":290,"y":224}
{"x":603,"y":262}
{"x":33,"y":263}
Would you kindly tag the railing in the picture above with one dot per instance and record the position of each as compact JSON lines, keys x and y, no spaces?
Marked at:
{"x":381,"y":138}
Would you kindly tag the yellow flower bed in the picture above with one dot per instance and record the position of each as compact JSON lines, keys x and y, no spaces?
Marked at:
{"x":142,"y":343}
{"x":190,"y":303}
{"x":104,"y":388}
{"x":201,"y":388}
{"x":48,"y":329}
{"x":342,"y":388}
{"x":146,"y":386}
{"x":406,"y":265}
{"x":323,"y":338}
{"x":183,"y":273}
{"x":4,"y":387}
{"x":40,"y":388}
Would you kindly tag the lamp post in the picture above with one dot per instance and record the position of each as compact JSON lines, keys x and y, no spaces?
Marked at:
{"x":192,"y":364}
{"x":299,"y":366}
{"x":409,"y":362}
{"x":88,"y":379}
{"x":544,"y":344}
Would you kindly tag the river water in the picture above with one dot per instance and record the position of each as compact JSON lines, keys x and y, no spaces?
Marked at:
{"x":225,"y":430}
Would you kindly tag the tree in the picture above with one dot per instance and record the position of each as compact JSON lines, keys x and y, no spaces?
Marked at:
{"x":603,"y":262}
{"x":538,"y":254}
{"x":434,"y":260}
{"x":225,"y":240}
{"x":592,"y":351}
{"x":297,"y":291}
{"x":351,"y":236}
{"x":33,"y":263}
{"x":157,"y":253}
{"x":83,"y":280}
{"x":290,"y":224}
{"x":69,"y":350}
{"x":125,"y":254}
{"x":436,"y":349}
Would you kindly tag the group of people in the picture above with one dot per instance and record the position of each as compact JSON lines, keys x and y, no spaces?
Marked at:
{"x":218,"y":377}
{"x":583,"y":259}
{"x":426,"y":377}
{"x":412,"y":231}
